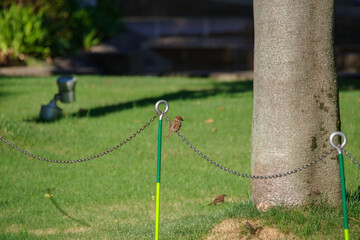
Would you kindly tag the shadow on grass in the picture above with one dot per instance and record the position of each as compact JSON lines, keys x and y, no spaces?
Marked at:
{"x":185,"y":94}
{"x":217,"y":89}
{"x":52,"y":199}
{"x":5,"y":94}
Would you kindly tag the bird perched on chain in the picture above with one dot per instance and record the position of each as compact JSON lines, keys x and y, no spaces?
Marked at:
{"x":175,"y":125}
{"x":218,"y":200}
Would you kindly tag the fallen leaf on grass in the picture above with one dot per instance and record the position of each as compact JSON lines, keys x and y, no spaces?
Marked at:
{"x":210,"y":120}
{"x":48,"y":195}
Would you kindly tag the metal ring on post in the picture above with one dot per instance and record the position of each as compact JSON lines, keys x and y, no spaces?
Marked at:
{"x":158,"y":110}
{"x":339,"y":149}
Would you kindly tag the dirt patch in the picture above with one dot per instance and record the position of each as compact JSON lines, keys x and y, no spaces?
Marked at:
{"x":53,"y":231}
{"x":241,"y":229}
{"x":44,"y":232}
{"x":76,"y":230}
{"x":47,"y":231}
{"x":15,"y":228}
{"x":228,"y":229}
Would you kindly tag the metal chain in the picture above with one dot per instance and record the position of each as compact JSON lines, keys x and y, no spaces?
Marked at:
{"x":351,"y":158}
{"x":82,"y":159}
{"x":325,"y":154}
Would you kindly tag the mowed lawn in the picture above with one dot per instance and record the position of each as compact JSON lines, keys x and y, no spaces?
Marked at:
{"x":113,"y":197}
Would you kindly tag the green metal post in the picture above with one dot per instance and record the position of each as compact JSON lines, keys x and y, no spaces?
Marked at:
{"x":342,"y":178}
{"x":158,"y":170}
{"x":158,"y":174}
{"x":343,"y":196}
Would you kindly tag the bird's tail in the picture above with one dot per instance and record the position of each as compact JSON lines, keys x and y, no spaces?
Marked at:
{"x":168,"y":134}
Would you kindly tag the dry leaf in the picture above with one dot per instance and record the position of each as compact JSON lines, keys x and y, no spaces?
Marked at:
{"x":210,"y":120}
{"x":214,"y":129}
{"x":222,"y":108}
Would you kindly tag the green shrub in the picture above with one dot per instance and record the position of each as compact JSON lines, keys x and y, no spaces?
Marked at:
{"x":22,"y":33}
{"x":74,"y":27}
{"x":42,"y":28}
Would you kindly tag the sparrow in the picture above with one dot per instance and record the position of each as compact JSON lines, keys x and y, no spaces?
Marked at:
{"x":175,"y":125}
{"x":219,"y":199}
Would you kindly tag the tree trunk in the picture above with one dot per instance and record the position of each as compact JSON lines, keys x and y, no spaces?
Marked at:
{"x":296,"y":104}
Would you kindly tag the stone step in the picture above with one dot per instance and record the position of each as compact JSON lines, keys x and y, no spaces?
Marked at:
{"x":204,"y":54}
{"x":177,"y":27}
{"x":165,"y":44}
{"x":348,"y":62}
{"x":125,"y":54}
{"x":187,"y":8}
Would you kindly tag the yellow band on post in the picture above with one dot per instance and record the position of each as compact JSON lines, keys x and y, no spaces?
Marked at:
{"x":346,"y":233}
{"x":157,"y":211}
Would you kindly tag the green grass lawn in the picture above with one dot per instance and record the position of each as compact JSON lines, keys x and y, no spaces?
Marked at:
{"x":113,"y":197}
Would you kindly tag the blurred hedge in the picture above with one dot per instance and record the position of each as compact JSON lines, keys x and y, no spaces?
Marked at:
{"x":43,"y":28}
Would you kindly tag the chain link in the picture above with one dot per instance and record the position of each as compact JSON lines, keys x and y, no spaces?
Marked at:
{"x":351,"y":158}
{"x":82,"y":159}
{"x":325,"y":154}
{"x":296,"y":170}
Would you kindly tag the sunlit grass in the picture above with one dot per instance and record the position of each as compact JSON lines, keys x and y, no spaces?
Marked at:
{"x":113,"y":197}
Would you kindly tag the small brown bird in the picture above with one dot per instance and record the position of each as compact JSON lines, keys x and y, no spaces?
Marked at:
{"x":175,"y":125}
{"x":219,"y":199}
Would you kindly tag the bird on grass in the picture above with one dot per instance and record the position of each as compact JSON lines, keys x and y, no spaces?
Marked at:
{"x":175,"y":125}
{"x":218,"y":200}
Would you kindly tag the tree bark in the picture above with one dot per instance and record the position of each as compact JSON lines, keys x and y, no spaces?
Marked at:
{"x":296,"y":105}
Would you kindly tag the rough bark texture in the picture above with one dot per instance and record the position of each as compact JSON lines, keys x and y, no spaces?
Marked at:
{"x":295,"y":102}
